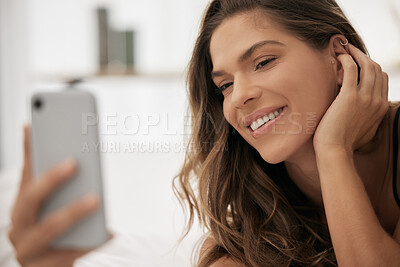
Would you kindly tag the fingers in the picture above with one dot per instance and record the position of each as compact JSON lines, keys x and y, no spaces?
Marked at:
{"x":48,"y":182}
{"x":30,"y":199}
{"x":385,"y":90}
{"x":27,"y":168}
{"x":368,"y":69}
{"x":372,"y":89}
{"x":55,"y":224}
{"x":31,"y":239}
{"x":350,"y":73}
{"x":110,"y":236}
{"x":373,"y":81}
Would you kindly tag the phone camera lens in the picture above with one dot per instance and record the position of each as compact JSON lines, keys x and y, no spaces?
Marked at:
{"x":37,"y":103}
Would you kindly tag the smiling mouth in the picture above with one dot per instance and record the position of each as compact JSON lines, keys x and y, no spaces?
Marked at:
{"x":261,"y":121}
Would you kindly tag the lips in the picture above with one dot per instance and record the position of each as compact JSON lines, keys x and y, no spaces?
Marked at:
{"x":265,"y":128}
{"x":259,"y":114}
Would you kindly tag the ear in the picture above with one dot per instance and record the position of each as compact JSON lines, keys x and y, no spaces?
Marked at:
{"x":335,"y":49}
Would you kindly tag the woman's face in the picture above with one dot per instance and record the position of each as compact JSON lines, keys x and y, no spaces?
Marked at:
{"x":261,"y":68}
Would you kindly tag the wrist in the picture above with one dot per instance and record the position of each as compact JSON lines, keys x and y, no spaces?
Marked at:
{"x":329,"y":159}
{"x":331,"y":151}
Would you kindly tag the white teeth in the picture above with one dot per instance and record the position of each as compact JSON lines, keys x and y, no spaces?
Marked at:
{"x":254,"y":125}
{"x":261,"y":121}
{"x":271,"y":116}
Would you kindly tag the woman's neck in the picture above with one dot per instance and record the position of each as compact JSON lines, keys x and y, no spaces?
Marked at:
{"x":302,"y":166}
{"x":302,"y":169}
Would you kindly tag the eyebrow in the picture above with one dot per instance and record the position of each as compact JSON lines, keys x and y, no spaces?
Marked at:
{"x":248,"y":53}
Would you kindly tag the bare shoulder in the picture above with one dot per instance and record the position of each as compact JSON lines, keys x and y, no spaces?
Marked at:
{"x":396,"y":233}
{"x":393,"y":107}
{"x":380,"y":189}
{"x":225,"y":261}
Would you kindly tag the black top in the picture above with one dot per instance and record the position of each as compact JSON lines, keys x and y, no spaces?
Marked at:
{"x":395,"y":152}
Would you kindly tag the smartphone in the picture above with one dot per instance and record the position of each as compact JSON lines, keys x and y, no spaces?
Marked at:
{"x":65,"y":124}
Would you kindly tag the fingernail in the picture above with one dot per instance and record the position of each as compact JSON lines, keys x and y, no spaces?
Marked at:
{"x":68,"y":164}
{"x":90,"y":200}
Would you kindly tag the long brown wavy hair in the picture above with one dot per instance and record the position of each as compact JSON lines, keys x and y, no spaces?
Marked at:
{"x":253,"y":211}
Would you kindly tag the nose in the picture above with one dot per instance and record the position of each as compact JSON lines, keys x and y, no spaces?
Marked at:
{"x":244,"y":92}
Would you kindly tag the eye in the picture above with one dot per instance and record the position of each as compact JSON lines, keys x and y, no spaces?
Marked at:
{"x":225,"y":86}
{"x":264,"y":63}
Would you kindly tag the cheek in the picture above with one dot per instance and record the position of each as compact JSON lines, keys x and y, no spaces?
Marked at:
{"x":312,"y":84}
{"x":229,"y":114}
{"x":226,"y":111}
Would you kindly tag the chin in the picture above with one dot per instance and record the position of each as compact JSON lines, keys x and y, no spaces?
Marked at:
{"x":271,"y":158}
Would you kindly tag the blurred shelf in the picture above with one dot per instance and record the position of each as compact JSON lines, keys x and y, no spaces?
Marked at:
{"x":75,"y":80}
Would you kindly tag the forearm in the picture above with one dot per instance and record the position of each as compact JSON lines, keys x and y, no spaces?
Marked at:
{"x":357,"y":236}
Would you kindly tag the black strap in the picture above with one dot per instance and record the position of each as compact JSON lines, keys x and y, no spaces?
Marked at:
{"x":395,"y":152}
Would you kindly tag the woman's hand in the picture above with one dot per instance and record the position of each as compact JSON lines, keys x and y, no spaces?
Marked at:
{"x":354,"y":116}
{"x":31,"y":238}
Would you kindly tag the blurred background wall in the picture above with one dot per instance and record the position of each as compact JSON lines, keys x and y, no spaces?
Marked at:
{"x":46,"y":43}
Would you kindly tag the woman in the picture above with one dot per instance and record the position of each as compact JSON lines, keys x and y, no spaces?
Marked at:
{"x":299,"y":171}
{"x":311,"y":187}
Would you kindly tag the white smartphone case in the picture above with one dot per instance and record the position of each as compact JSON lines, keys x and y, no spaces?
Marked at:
{"x":64,"y":124}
